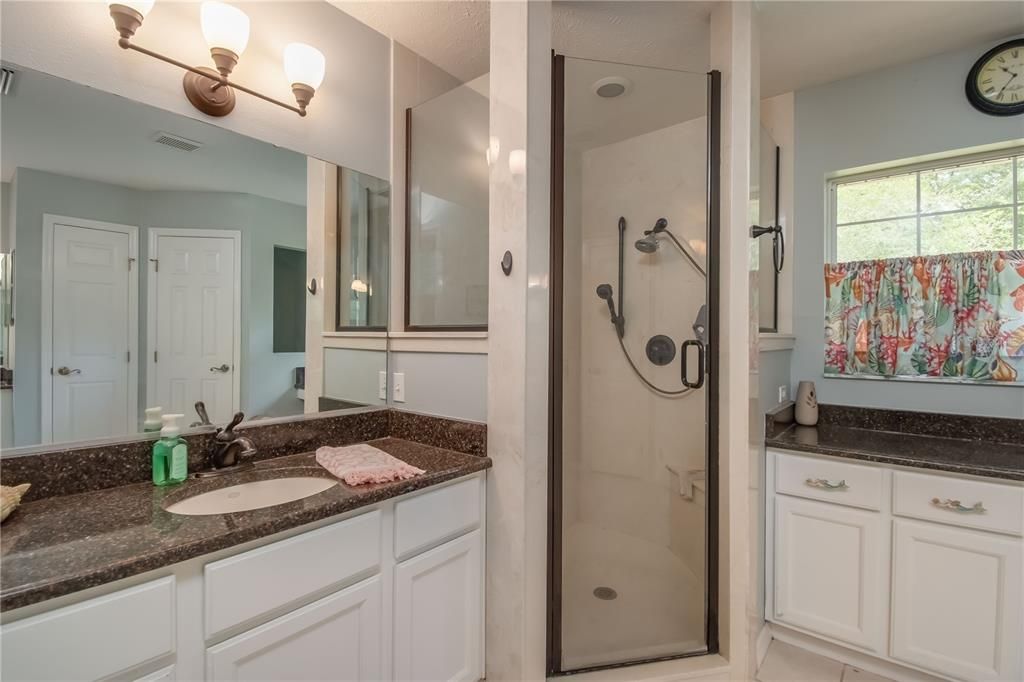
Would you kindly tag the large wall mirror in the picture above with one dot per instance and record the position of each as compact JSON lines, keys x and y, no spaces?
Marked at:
{"x":447,"y":222}
{"x":150,"y":259}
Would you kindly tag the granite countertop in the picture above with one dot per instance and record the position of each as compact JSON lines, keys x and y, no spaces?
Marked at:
{"x":58,"y":545}
{"x":943,"y":453}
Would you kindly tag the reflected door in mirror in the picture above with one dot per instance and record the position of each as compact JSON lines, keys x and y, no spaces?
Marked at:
{"x":196,"y":322}
{"x":92,"y":322}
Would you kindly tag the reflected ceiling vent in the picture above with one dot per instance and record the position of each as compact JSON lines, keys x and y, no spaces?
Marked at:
{"x":613,"y":86}
{"x":177,"y":142}
{"x":6,"y":80}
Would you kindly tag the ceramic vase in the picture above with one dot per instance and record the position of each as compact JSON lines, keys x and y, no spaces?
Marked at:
{"x":806,"y":404}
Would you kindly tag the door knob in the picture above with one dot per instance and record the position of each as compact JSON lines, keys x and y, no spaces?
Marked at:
{"x":222,"y":369}
{"x":65,"y":371}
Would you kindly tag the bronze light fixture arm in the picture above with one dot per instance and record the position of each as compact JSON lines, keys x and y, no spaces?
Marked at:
{"x":127,"y":44}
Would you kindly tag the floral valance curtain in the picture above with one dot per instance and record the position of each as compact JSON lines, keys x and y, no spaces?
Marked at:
{"x":956,"y":315}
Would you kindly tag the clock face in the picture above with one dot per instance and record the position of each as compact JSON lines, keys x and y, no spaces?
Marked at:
{"x":996,"y":83}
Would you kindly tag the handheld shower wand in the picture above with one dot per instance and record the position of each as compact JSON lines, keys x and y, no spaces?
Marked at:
{"x":604,"y":292}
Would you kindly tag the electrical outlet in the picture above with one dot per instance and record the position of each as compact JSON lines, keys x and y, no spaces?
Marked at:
{"x":398,"y":388}
{"x":783,"y":394}
{"x":382,"y":385}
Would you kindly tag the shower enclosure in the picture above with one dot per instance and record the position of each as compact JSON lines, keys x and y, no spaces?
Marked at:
{"x":634,"y":380}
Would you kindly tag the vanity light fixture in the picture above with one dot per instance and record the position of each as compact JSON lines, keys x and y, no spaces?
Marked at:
{"x":226,"y":29}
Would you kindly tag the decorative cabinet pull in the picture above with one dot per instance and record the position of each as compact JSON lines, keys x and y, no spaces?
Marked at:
{"x":826,"y":484}
{"x":954,"y":505}
{"x":65,"y":371}
{"x":222,"y":369}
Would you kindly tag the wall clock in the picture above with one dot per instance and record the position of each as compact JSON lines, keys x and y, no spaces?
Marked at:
{"x":995,"y":84}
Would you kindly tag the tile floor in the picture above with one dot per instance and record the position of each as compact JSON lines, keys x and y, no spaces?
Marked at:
{"x":787,"y":663}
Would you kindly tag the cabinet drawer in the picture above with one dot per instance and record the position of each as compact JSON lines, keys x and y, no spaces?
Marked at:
{"x":961,"y":502}
{"x":831,"y":480}
{"x":93,"y":639}
{"x":245,"y":587}
{"x":433,"y":517}
{"x":335,"y":638}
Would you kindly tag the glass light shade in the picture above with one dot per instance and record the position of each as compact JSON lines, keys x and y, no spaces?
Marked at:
{"x":140,"y":6}
{"x":224,"y":26}
{"x":304,"y":64}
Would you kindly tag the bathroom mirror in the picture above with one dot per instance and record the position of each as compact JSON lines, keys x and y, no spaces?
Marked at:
{"x":770,"y":255}
{"x":364,"y":228}
{"x":161,"y":261}
{"x":447,"y":204}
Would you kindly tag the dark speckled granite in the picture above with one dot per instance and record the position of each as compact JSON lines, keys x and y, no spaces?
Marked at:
{"x":990,"y":448}
{"x":60,"y":545}
{"x":461,"y":436}
{"x":992,"y":429}
{"x":81,"y":469}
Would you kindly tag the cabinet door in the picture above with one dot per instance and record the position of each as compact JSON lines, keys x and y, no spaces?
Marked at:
{"x":438,"y":609}
{"x":831,"y":571}
{"x":335,"y":638}
{"x":957,"y":601}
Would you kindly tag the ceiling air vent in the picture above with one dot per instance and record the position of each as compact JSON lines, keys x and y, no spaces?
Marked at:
{"x":177,"y":142}
{"x":6,"y":80}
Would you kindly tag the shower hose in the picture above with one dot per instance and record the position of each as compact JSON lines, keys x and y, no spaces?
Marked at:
{"x":675,"y":394}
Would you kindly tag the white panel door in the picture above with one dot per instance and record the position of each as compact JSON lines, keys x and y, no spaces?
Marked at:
{"x":335,"y":638}
{"x":90,"y":342}
{"x":957,"y":601}
{"x":195,"y":314}
{"x":437,"y":628}
{"x":831,"y":571}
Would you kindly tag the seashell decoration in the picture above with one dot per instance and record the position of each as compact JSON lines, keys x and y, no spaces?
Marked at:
{"x":10,"y":498}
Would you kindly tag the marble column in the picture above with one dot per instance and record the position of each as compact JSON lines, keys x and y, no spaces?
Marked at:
{"x":517,"y":413}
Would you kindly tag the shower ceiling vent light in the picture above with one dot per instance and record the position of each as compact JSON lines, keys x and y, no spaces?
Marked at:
{"x":612,"y":86}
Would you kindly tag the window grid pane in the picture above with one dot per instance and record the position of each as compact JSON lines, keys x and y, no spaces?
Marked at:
{"x":945,"y":198}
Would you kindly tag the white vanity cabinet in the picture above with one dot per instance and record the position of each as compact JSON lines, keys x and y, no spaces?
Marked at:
{"x":920,"y":570}
{"x":335,"y":638}
{"x":394,"y":591}
{"x":438,"y":615}
{"x":831,"y":568}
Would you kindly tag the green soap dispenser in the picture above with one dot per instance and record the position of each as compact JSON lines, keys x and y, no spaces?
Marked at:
{"x":170,"y":453}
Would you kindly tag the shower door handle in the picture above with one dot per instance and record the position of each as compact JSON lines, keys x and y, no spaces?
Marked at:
{"x":700,"y":364}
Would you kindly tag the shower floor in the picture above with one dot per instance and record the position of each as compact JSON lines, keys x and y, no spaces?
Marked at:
{"x":659,"y":610}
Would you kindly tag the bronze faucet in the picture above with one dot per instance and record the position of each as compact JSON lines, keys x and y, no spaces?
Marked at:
{"x":230,"y":450}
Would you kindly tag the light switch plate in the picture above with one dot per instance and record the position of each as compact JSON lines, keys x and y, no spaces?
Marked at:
{"x":398,"y":390}
{"x":382,"y":385}
{"x":783,"y":394}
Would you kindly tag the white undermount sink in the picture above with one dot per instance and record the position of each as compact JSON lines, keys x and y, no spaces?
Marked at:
{"x":254,"y":495}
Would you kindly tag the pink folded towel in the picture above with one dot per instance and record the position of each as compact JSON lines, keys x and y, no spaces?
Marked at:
{"x":357,"y":464}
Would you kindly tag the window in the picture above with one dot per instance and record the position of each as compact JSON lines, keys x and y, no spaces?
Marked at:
{"x":960,"y":205}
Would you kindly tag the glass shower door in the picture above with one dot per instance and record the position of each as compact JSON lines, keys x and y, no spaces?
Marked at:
{"x":633,"y":359}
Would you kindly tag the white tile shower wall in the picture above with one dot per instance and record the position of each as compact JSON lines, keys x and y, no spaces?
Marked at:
{"x":866,"y":120}
{"x":625,"y":438}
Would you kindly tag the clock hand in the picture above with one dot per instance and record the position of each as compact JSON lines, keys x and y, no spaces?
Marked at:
{"x":1007,"y":83}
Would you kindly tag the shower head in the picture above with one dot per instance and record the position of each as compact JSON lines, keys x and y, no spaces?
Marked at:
{"x":648,"y":244}
{"x":605,"y":293}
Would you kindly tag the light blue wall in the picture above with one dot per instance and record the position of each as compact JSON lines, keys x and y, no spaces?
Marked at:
{"x":266,"y":382}
{"x":906,"y":111}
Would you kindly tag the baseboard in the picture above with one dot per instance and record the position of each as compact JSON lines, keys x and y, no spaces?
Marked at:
{"x":764,"y":638}
{"x":857,"y":659}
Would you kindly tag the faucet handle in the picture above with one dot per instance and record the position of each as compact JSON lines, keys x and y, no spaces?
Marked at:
{"x":227,"y":434}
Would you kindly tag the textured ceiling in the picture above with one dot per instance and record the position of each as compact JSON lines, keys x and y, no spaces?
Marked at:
{"x":454,"y":34}
{"x":809,"y":43}
{"x":803,"y":43}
